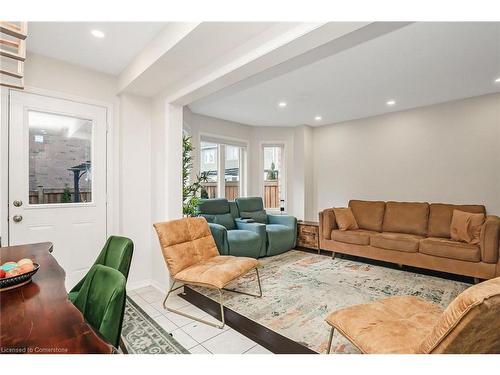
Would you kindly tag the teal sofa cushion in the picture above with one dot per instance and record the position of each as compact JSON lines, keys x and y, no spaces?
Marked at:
{"x":249,"y":204}
{"x":280,"y":238}
{"x":213,"y":206}
{"x":225,"y":220}
{"x":243,"y":241}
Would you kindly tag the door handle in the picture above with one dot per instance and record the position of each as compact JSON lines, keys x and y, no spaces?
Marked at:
{"x":17,"y":218}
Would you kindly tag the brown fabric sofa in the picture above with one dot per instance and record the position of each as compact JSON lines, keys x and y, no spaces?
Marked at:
{"x":414,"y":234}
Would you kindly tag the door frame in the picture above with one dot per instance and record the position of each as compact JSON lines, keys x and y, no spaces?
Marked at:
{"x":112,"y":155}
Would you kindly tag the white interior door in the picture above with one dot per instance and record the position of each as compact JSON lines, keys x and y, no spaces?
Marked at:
{"x":57,"y":178}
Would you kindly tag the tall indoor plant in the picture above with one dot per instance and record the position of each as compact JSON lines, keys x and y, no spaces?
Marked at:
{"x":191,"y":191}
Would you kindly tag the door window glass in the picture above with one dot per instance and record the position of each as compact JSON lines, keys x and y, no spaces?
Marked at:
{"x":60,"y":159}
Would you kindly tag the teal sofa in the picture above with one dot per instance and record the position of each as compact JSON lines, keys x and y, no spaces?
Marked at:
{"x":281,"y":230}
{"x":232,"y":236}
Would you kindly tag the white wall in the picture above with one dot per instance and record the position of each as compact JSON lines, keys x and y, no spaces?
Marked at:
{"x":135,"y":182}
{"x":442,"y":153}
{"x":59,"y":76}
{"x":159,"y":272}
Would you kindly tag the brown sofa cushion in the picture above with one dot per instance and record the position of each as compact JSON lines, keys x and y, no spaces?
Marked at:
{"x":406,"y":217}
{"x":356,"y":237}
{"x":440,"y":215}
{"x":445,"y":248}
{"x":396,"y":241}
{"x":345,"y":219}
{"x":466,"y":227}
{"x":369,"y":214}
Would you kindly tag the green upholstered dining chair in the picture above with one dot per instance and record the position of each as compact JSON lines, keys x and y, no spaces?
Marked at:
{"x":232,"y":236}
{"x":116,"y":253}
{"x":101,"y":300}
{"x":281,"y":230}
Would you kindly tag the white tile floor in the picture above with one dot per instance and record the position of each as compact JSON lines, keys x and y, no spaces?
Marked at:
{"x":196,"y":337}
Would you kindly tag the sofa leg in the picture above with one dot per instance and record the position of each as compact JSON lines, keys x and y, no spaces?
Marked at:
{"x":330,"y":341}
{"x":333,"y":254}
{"x":477,"y":280}
{"x":400,"y":266}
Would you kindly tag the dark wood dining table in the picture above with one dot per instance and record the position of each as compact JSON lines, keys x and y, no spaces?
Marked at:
{"x":38,"y":317}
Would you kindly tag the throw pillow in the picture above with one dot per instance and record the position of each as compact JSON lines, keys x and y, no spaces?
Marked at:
{"x":345,"y":219}
{"x":466,"y":227}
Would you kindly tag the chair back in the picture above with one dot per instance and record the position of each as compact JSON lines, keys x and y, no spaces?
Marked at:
{"x":470,"y":324}
{"x":102,"y":301}
{"x":185,"y":242}
{"x":117,"y":254}
{"x":218,"y":211}
{"x":252,"y":208}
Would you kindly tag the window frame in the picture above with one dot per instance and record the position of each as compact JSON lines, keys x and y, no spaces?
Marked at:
{"x":221,"y":143}
{"x":283,"y":175}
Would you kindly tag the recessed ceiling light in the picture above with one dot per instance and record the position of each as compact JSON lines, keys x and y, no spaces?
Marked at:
{"x":391,"y":102}
{"x":282,"y":104}
{"x":97,"y":33}
{"x":318,"y":118}
{"x":497,"y":80}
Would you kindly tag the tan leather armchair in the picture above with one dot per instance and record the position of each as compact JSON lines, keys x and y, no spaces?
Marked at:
{"x":410,"y":325}
{"x":192,"y":258}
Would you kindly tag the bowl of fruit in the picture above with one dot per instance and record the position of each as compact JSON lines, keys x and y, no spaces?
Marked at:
{"x":15,"y":274}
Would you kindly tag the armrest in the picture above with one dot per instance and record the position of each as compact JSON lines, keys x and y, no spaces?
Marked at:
{"x":258,"y":228}
{"x":219,"y":233}
{"x":289,"y":221}
{"x":327,"y":223}
{"x":244,"y":220}
{"x":489,"y":240}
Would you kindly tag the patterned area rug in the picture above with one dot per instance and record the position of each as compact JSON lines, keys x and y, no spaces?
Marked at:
{"x":300,"y":289}
{"x":142,"y":335}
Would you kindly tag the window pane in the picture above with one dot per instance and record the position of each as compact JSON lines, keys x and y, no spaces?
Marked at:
{"x":272,"y":176}
{"x":208,"y":159}
{"x":232,"y":172}
{"x":60,"y":165}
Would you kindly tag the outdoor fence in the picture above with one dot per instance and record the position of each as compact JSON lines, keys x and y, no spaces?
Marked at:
{"x":46,"y":195}
{"x":232,"y":190}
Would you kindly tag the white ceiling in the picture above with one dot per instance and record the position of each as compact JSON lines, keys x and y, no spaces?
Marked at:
{"x":417,"y":65}
{"x":202,"y":48}
{"x":72,"y":42}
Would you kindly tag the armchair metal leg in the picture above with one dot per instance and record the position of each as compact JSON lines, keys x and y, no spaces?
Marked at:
{"x":330,"y":341}
{"x":220,"y":326}
{"x":223,"y":320}
{"x":333,"y":254}
{"x":249,"y":294}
